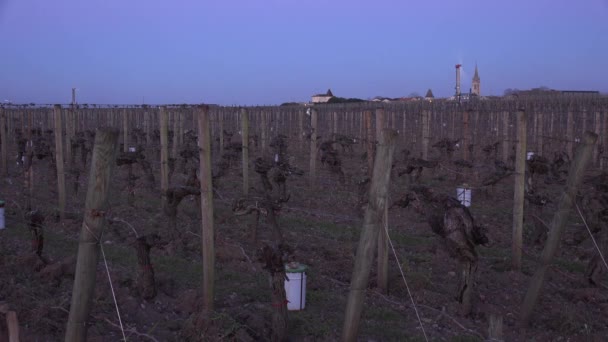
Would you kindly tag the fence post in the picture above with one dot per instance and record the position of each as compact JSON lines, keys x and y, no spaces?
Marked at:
{"x":313,"y":147}
{"x":371,"y":226}
{"x":426,"y":134}
{"x":605,"y":140}
{"x":164,"y":153}
{"x":518,"y":197}
{"x":597,"y":129}
{"x":540,"y":133}
{"x":570,"y":134}
{"x":567,"y":199}
{"x":466,"y":135}
{"x":369,"y":142}
{"x":59,"y":160}
{"x":245,"y":137}
{"x":175,"y":134}
{"x":505,"y":137}
{"x":103,"y":160}
{"x":4,"y":142}
{"x":208,"y":248}
{"x":382,"y":238}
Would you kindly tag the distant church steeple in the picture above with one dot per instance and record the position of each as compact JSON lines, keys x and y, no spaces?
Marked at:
{"x":476,"y":83}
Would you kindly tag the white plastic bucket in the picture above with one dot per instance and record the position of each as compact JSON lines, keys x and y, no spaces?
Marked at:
{"x":529,"y":155}
{"x":295,"y":286}
{"x":2,"y":224}
{"x":132,"y":149}
{"x":464,"y":196}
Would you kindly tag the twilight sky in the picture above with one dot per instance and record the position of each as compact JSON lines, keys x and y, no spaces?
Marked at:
{"x":248,"y":52}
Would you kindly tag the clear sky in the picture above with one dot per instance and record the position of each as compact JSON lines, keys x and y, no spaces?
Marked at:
{"x":249,"y":52}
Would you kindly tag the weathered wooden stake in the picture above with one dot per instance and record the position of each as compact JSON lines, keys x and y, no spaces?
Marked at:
{"x":175,"y":135}
{"x":4,"y":142}
{"x":567,"y":199}
{"x":426,"y":134}
{"x":164,"y":153}
{"x":220,"y":115}
{"x":382,"y":238}
{"x":313,"y":147}
{"x":12,"y":324}
{"x":59,"y":160}
{"x":208,"y":247}
{"x":495,"y":328}
{"x":539,"y":133}
{"x":570,"y":134}
{"x":518,"y":197}
{"x":597,"y":129}
{"x":466,"y":135}
{"x":69,"y":116}
{"x":373,"y":217}
{"x":104,"y":158}
{"x":301,"y":128}
{"x":505,"y":137}
{"x":125,"y":131}
{"x":604,"y":161}
{"x":264,"y":130}
{"x":369,"y":142}
{"x":245,"y":142}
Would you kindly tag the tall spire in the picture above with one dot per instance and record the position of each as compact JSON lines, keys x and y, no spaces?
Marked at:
{"x":476,"y":76}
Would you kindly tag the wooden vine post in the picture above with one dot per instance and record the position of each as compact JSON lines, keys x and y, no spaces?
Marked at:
{"x":558,"y":224}
{"x":103,"y":160}
{"x":539,"y":133}
{"x":597,"y":129}
{"x":518,"y":197}
{"x":264,"y":116}
{"x":570,"y":134}
{"x":164,"y":153}
{"x":59,"y":160}
{"x":245,"y":142}
{"x":69,"y":115}
{"x":208,"y":248}
{"x":301,"y":128}
{"x":466,"y":135}
{"x":29,"y":167}
{"x":220,"y":115}
{"x":4,"y":142}
{"x":382,"y":236}
{"x":369,"y":235}
{"x":426,"y":134}
{"x":604,"y":160}
{"x":175,"y":135}
{"x":505,"y":137}
{"x":125,"y":131}
{"x":313,"y":147}
{"x":369,"y":141}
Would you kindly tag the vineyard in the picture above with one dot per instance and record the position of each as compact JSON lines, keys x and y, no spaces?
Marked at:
{"x":174,"y":223}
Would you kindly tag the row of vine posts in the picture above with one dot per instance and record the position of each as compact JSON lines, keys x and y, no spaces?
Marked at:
{"x":555,"y":125}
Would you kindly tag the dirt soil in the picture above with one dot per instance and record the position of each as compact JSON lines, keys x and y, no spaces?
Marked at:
{"x":322,"y":225}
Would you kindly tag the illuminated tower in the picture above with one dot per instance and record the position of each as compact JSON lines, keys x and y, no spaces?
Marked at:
{"x":458,"y":79}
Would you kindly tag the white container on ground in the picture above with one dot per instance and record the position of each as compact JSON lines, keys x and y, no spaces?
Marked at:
{"x":529,"y":155}
{"x":132,"y":149}
{"x":463,"y":193}
{"x":295,"y":286}
{"x":2,"y":224}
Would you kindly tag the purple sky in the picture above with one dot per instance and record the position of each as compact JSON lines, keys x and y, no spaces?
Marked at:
{"x":249,"y":52}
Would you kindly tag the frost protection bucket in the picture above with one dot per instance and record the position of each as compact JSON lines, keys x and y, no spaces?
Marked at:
{"x":529,"y":155}
{"x":295,"y":286}
{"x":2,"y":226}
{"x":463,"y":193}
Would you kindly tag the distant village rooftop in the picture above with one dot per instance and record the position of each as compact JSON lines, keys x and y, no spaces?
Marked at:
{"x":322,"y":98}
